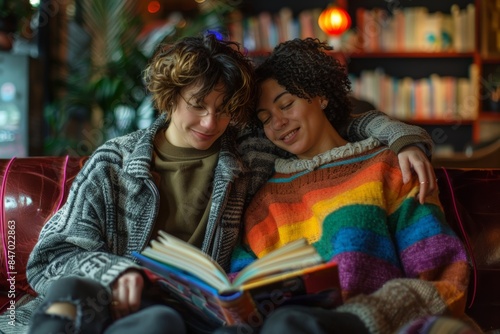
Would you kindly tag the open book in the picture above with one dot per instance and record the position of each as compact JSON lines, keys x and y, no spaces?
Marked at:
{"x":292,"y":274}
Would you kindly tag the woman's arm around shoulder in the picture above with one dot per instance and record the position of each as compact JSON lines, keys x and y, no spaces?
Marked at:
{"x":412,"y":143}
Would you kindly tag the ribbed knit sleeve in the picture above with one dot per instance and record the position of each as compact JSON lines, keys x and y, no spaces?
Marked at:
{"x":392,"y":133}
{"x":398,"y":302}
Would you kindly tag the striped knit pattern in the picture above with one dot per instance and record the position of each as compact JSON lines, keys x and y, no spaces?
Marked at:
{"x":357,"y":211}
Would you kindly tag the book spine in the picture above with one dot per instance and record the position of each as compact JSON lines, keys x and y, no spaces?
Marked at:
{"x":240,"y":309}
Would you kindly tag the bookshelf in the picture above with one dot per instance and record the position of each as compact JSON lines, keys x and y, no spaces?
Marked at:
{"x":468,"y":64}
{"x":427,"y":52}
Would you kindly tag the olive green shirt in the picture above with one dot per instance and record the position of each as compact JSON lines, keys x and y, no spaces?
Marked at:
{"x":185,"y":185}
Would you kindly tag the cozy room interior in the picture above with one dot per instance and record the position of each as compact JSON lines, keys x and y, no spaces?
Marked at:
{"x":64,"y":89}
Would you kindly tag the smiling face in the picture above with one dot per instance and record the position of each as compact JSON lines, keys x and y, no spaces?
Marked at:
{"x":188,"y":129}
{"x":296,"y":125}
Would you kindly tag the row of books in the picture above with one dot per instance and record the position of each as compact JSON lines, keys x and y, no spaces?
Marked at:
{"x":433,"y":98}
{"x":407,"y":29}
{"x":266,"y":30}
{"x":413,"y":29}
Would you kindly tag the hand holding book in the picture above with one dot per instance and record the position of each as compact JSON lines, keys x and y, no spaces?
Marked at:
{"x":294,"y":273}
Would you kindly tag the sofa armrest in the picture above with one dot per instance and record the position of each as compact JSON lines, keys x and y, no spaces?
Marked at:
{"x":470,"y":199}
{"x":31,"y":191}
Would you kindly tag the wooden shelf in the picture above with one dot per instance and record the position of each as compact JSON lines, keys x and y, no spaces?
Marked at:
{"x":491,"y":60}
{"x":489,"y":115}
{"x":361,"y":55}
{"x":410,"y":54}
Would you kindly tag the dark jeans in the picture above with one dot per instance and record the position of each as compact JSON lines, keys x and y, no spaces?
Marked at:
{"x":303,"y":320}
{"x":92,"y":303}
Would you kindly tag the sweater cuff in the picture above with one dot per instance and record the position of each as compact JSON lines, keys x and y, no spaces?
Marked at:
{"x":405,"y":141}
{"x":395,"y":304}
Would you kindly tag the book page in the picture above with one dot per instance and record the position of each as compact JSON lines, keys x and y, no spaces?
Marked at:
{"x":189,"y":266}
{"x":178,"y":245}
{"x":179,"y":253}
{"x":294,"y":255}
{"x":330,"y":267}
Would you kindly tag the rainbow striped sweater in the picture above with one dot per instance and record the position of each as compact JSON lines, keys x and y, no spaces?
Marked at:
{"x":397,"y":258}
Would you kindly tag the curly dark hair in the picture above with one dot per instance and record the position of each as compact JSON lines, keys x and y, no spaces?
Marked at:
{"x":204,"y":61}
{"x":306,"y":70}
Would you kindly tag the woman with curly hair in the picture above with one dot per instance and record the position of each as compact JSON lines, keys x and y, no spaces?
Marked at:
{"x":398,"y":260}
{"x":190,"y":174}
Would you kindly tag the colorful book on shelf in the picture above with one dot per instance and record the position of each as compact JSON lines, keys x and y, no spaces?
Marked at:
{"x":251,"y":37}
{"x":235,"y":26}
{"x":307,"y":23}
{"x":266,"y":26}
{"x":293,"y":274}
{"x":285,"y":15}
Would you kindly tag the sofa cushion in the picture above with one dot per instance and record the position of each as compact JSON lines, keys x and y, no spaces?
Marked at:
{"x":31,"y":190}
{"x":470,"y":199}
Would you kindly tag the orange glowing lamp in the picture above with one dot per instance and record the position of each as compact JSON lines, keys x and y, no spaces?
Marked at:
{"x":334,"y":21}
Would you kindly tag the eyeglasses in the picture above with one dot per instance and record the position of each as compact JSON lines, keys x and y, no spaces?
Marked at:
{"x":201,"y":111}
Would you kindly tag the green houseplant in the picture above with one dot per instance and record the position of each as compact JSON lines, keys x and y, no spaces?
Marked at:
{"x":103,"y":76}
{"x":103,"y":92}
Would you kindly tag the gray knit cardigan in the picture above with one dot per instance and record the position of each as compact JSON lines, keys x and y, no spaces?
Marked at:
{"x":113,"y":203}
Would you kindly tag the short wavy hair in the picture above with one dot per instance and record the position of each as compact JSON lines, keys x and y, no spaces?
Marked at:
{"x":305,"y":69}
{"x":207,"y":62}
